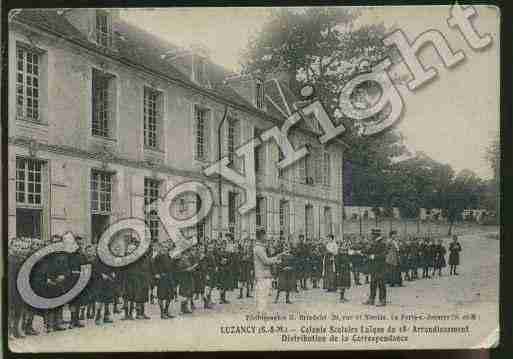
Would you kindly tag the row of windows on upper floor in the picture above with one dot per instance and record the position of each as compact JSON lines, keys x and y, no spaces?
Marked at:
{"x":312,"y":169}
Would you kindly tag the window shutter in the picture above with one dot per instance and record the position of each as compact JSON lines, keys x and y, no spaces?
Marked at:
{"x":317,"y":165}
{"x":111,"y":98}
{"x":206,"y":134}
{"x":302,"y":169}
{"x":237,"y":142}
{"x":160,"y":120}
{"x":194,"y":114}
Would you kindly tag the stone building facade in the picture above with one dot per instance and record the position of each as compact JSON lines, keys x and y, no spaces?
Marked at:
{"x":104,"y":118}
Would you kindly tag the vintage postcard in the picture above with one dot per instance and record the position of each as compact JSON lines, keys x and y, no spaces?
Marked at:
{"x":294,"y":178}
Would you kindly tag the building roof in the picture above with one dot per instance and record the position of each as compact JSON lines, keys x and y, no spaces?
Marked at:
{"x":138,"y":47}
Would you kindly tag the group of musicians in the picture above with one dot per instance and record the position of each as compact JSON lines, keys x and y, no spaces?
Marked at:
{"x":180,"y":280}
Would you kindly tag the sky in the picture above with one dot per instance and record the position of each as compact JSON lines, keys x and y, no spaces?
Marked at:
{"x":452,"y":118}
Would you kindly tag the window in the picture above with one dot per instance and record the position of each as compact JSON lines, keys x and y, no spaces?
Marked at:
{"x":233,"y":138}
{"x":103,"y":28}
{"x":200,"y":71}
{"x":152,"y":117}
{"x":281,"y":171}
{"x":260,"y":219}
{"x":28,"y":222}
{"x":101,"y":202}
{"x":259,"y":151}
{"x":28,"y":182}
{"x":284,"y":218}
{"x":232,"y":212}
{"x":101,"y":192}
{"x":305,"y":170}
{"x":312,"y":123}
{"x":309,"y":221}
{"x":103,"y":102}
{"x":29,"y":198}
{"x":328,"y":223}
{"x":326,"y":169}
{"x":27,"y":84}
{"x":259,"y":94}
{"x":151,"y":195}
{"x":201,"y":120}
{"x":200,"y":230}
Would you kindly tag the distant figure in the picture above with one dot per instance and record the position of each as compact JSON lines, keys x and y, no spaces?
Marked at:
{"x":439,"y":258}
{"x":454,"y":255}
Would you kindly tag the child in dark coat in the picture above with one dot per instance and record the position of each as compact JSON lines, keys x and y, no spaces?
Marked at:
{"x":286,"y":277}
{"x":454,"y":255}
{"x":439,"y":258}
{"x":343,"y":270}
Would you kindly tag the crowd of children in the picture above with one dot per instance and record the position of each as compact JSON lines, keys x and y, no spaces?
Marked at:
{"x":178,"y":283}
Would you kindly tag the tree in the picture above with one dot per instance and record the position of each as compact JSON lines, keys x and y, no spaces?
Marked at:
{"x":322,"y":46}
{"x":491,"y":198}
{"x":462,"y":193}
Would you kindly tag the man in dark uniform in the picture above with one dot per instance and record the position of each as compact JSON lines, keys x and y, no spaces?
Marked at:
{"x":209,"y":267}
{"x":316,"y":265}
{"x":377,"y":268}
{"x":413,"y":250}
{"x":403,"y":260}
{"x":246,"y":255}
{"x":103,"y":288}
{"x":286,"y":275}
{"x":425,"y":250}
{"x":304,"y":261}
{"x":185,"y":265}
{"x":163,"y":273}
{"x":75,"y":260}
{"x":143,"y":281}
{"x":224,"y":271}
{"x":343,"y":270}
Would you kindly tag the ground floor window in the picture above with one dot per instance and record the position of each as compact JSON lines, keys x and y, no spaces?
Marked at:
{"x":309,"y":221}
{"x":29,"y":197}
{"x":232,"y":213}
{"x":328,"y":223}
{"x":151,"y":196}
{"x":284,"y":218}
{"x":28,"y":222}
{"x":260,"y":213}
{"x":99,"y":223}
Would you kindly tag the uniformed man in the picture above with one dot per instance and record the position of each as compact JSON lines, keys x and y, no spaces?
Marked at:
{"x":163,"y":273}
{"x":303,"y":261}
{"x":75,"y":261}
{"x":377,"y":268}
{"x":246,"y":275}
{"x":224,"y":265}
{"x":343,"y":270}
{"x":102,"y":283}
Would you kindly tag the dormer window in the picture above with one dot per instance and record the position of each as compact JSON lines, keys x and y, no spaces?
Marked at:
{"x":103,"y":28}
{"x":259,"y":101}
{"x":200,"y":71}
